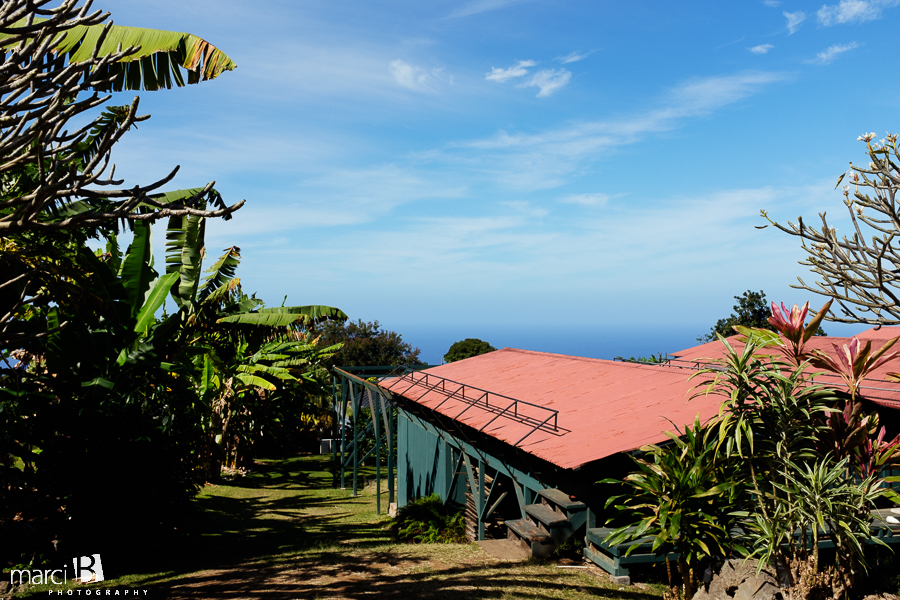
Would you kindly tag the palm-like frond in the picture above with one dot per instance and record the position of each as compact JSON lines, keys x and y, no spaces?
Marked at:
{"x":136,"y":270}
{"x":260,"y":319}
{"x":105,"y":125}
{"x":156,"y":65}
{"x":221,"y":272}
{"x":308,"y":314}
{"x":184,"y":255}
{"x":155,"y":298}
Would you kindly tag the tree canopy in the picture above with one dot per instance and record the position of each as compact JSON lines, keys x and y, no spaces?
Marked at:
{"x":148,"y":405}
{"x":751,"y":310}
{"x":365,"y":344}
{"x":56,"y":172}
{"x":467,"y":348}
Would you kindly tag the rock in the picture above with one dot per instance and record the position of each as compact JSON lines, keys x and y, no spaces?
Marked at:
{"x":737,"y":580}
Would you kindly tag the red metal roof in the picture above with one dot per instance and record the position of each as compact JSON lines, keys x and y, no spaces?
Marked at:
{"x":604,"y":407}
{"x":875,"y":388}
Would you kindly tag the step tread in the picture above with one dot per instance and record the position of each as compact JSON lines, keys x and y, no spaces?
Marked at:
{"x":561,"y":499}
{"x":547,"y":515}
{"x":527,"y":530}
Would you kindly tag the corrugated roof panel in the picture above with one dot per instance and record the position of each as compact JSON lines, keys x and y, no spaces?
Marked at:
{"x":605,"y":407}
{"x":600,"y":402}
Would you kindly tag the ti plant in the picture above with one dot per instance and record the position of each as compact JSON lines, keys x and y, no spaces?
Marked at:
{"x":683,"y":498}
{"x":786,"y":461}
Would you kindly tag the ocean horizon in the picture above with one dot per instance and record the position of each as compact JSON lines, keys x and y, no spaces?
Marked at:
{"x":591,"y":341}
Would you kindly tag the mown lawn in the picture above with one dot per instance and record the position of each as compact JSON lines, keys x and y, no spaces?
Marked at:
{"x":283,"y":532}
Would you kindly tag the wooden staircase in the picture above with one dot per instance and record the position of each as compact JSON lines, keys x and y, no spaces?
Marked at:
{"x":547,"y":524}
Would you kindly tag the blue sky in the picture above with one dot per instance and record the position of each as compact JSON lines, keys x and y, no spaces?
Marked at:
{"x":578,"y":177}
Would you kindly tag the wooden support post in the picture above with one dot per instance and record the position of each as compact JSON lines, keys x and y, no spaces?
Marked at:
{"x":355,"y":400}
{"x":383,"y":409}
{"x":391,"y":450}
{"x":387,"y":419}
{"x":489,"y":496}
{"x":493,"y":507}
{"x":520,"y":497}
{"x":334,"y":426}
{"x":479,"y":505}
{"x":373,"y":406}
{"x":454,"y":474}
{"x":477,"y":488}
{"x":343,"y":427}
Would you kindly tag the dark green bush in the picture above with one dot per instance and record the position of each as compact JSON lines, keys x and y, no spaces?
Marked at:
{"x":429,"y":521}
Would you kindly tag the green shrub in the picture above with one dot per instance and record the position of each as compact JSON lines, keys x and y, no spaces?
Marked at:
{"x":429,"y":521}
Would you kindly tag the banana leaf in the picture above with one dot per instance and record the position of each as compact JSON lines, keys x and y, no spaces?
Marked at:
{"x":314,"y":312}
{"x":136,"y":270}
{"x":155,"y":299}
{"x":262,"y":320}
{"x":254,"y":381}
{"x":184,"y":255}
{"x":281,"y":316}
{"x":221,"y":272}
{"x":156,"y":65}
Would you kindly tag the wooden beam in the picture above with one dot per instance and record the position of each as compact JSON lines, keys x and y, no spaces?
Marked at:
{"x":367,"y":384}
{"x":515,"y":474}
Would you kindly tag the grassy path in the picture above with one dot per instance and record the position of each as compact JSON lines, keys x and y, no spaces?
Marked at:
{"x":283,"y":532}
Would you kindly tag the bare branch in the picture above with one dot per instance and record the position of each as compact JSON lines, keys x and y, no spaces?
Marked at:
{"x":862,"y":276}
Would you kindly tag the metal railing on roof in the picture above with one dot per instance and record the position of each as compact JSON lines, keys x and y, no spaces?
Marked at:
{"x":503,"y":406}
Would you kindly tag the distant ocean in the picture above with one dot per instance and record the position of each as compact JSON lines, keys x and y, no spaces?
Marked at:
{"x":591,"y":341}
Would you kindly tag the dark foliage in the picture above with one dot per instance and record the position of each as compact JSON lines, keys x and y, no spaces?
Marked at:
{"x":429,"y":521}
{"x":752,"y":310}
{"x":366,"y":345}
{"x":467,"y":348}
{"x":658,"y":358}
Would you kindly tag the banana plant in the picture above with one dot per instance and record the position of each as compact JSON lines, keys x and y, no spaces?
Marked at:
{"x":244,"y":350}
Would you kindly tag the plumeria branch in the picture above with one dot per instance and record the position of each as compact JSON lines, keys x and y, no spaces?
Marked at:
{"x":862,"y":275}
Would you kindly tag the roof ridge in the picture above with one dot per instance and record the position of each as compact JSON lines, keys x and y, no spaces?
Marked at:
{"x":587,"y":359}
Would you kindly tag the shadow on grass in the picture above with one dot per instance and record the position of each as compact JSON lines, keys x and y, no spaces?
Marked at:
{"x":333,"y":574}
{"x":280,"y":509}
{"x":284,"y":532}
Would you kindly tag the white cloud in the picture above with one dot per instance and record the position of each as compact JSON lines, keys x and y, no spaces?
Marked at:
{"x":701,"y":95}
{"x":548,"y":80}
{"x":414,"y":78}
{"x":356,"y":73}
{"x":832,"y":52}
{"x":526,"y":208}
{"x":696,"y":233}
{"x":480,"y":6}
{"x":853,"y":11}
{"x":761,"y":49}
{"x":574,"y":57}
{"x":517,"y":70}
{"x":772,"y":3}
{"x":548,"y":159}
{"x":586,"y":199}
{"x":346,"y":196}
{"x":737,"y":41}
{"x":793,"y":20}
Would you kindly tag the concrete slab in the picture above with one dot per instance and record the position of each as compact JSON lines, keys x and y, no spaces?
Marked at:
{"x":504,"y":549}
